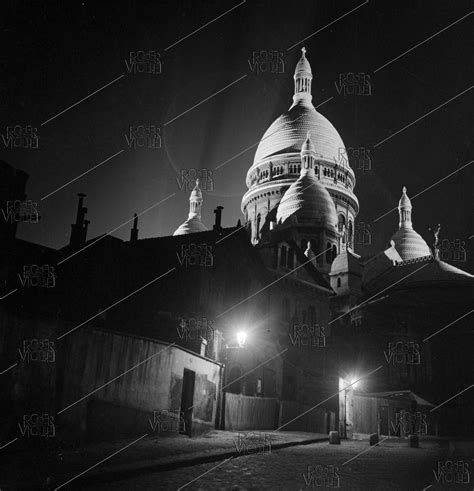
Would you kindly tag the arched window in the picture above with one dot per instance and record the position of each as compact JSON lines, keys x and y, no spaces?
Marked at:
{"x":290,"y":261}
{"x":339,"y":282}
{"x":328,"y":253}
{"x":283,"y":256}
{"x":341,"y":221}
{"x":334,"y":252}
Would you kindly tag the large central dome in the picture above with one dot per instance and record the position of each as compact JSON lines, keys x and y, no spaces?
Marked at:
{"x":277,"y":165}
{"x":288,"y":132}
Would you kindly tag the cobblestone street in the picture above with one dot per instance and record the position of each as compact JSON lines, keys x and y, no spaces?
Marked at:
{"x":392,"y":465}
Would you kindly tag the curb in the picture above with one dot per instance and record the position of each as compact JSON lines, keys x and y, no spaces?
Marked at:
{"x":119,"y":474}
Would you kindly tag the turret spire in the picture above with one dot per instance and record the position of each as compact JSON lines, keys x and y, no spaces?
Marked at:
{"x":404,"y":210}
{"x":195,"y":202}
{"x":303,"y":77}
{"x":308,"y":156}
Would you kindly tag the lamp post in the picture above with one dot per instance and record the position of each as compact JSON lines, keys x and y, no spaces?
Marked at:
{"x":353,"y":384}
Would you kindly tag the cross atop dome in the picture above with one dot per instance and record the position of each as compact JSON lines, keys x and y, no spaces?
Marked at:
{"x":303,"y":50}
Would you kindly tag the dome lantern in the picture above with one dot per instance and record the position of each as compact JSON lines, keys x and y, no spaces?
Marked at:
{"x":302,"y":77}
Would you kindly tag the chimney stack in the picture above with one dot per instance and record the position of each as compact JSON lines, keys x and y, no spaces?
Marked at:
{"x":79,"y":229}
{"x":218,"y":213}
{"x":134,"y":230}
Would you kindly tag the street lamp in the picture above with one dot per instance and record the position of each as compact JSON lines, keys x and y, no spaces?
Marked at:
{"x":241,"y":338}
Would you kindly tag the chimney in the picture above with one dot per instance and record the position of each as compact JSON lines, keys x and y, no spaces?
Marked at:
{"x":134,"y":230}
{"x":218,"y":213}
{"x":79,"y":229}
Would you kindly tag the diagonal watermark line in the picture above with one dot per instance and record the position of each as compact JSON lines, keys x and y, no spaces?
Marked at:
{"x":228,"y":235}
{"x":419,"y":44}
{"x":366,"y":450}
{"x":115,"y":378}
{"x":451,"y":398}
{"x":199,"y":477}
{"x":246,"y":373}
{"x":327,"y":25}
{"x":103,"y":460}
{"x":6,"y":445}
{"x":205,"y":25}
{"x":87,"y":97}
{"x":9,"y":368}
{"x":255,"y":368}
{"x":83,"y":174}
{"x":424,"y":116}
{"x":450,"y":324}
{"x":426,"y":189}
{"x":204,"y":100}
{"x":268,"y":136}
{"x":324,"y":102}
{"x":330,"y":397}
{"x":116,"y":228}
{"x":428,"y":487}
{"x":8,"y":294}
{"x":378,"y":293}
{"x":272,"y":283}
{"x":258,"y":142}
{"x":113,"y":305}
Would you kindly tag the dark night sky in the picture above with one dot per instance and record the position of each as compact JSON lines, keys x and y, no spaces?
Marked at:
{"x":55,"y":54}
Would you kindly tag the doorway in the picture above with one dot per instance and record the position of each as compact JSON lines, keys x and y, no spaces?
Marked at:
{"x":187,"y":400}
{"x":383,"y":421}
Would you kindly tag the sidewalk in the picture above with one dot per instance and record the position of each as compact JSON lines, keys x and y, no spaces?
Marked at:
{"x":149,"y":454}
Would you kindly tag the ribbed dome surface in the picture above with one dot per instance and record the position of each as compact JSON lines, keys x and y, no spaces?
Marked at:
{"x":190,"y":226}
{"x":288,"y":132}
{"x":308,"y":201}
{"x":409,"y":244}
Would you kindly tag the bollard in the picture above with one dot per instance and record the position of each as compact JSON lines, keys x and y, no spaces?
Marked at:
{"x":413,"y":441}
{"x":334,"y":438}
{"x":373,"y":439}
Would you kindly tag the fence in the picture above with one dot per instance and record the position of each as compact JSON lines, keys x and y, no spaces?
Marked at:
{"x":250,"y":413}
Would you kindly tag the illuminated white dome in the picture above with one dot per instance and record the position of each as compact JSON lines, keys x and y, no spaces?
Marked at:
{"x":288,"y":132}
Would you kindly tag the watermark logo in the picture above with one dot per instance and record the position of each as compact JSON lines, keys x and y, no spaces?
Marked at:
{"x":407,"y":353}
{"x":38,"y":276}
{"x":312,"y":336}
{"x":358,"y":158}
{"x":188,"y":178}
{"x":251,"y":442}
{"x":21,"y":137}
{"x":267,"y":61}
{"x":41,"y":425}
{"x":37,"y":350}
{"x":452,"y":251}
{"x":354,"y":84}
{"x":195,"y":255}
{"x":410,"y":423}
{"x":144,"y":62}
{"x":143,"y":137}
{"x":362,"y":234}
{"x":322,"y":476}
{"x":195,"y":328}
{"x":21,"y":211}
{"x":167,"y":421}
{"x":452,"y":472}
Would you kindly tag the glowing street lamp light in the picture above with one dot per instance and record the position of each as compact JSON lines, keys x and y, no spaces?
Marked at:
{"x":354,"y":383}
{"x":241,"y":338}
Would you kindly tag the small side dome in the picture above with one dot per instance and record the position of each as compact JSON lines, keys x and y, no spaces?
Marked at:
{"x":309,"y":202}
